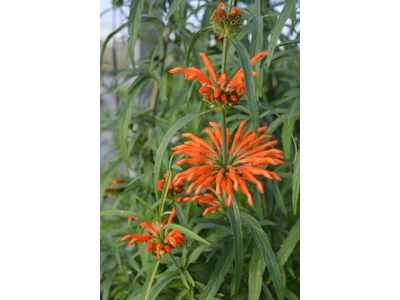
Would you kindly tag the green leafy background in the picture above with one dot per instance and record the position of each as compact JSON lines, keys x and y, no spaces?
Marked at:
{"x":253,"y":252}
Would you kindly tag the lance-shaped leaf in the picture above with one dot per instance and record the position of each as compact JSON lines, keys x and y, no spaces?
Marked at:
{"x":236,"y":224}
{"x":194,"y":40}
{"x":220,"y":271}
{"x":135,"y":16}
{"x":296,"y":184}
{"x":249,"y":82}
{"x":262,"y":242}
{"x":288,"y":244}
{"x":276,"y":31}
{"x":187,"y":232}
{"x":167,"y":138}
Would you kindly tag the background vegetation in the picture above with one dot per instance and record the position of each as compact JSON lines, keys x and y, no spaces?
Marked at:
{"x":149,"y":102}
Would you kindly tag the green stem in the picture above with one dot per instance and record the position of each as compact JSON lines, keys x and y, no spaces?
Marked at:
{"x":224,"y":54}
{"x":175,"y":263}
{"x":164,"y":194}
{"x":224,"y":139}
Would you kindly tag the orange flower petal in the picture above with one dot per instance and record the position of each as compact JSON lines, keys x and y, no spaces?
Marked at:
{"x":207,"y":63}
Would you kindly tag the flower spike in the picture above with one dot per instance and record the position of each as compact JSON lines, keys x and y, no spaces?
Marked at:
{"x":246,"y":159}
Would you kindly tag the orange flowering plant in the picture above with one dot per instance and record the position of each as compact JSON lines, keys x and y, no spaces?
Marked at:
{"x":200,"y":198}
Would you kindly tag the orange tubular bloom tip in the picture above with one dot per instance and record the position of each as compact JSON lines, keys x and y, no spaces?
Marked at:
{"x":221,"y":4}
{"x":160,"y":185}
{"x":212,"y":88}
{"x":158,"y":250}
{"x":248,"y":156}
{"x":222,"y":12}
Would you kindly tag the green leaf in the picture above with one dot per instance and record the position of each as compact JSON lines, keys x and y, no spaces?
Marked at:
{"x":167,"y":138}
{"x":290,"y":295}
{"x":257,"y":36}
{"x":278,"y":197}
{"x":172,"y":8}
{"x":120,"y":213}
{"x":109,"y":37}
{"x":219,"y":273}
{"x":262,"y":242}
{"x":124,"y":116}
{"x":135,"y":16}
{"x":288,"y":244}
{"x":256,"y":271}
{"x":194,"y":40}
{"x":249,"y":82}
{"x":195,"y":254}
{"x":147,"y":206}
{"x":296,"y":41}
{"x":236,"y":224}
{"x":216,"y":227}
{"x":149,"y":280}
{"x":267,"y":292}
{"x":277,"y":30}
{"x":187,"y":232}
{"x":286,"y":139}
{"x":108,"y":282}
{"x":139,"y":177}
{"x":181,"y":216}
{"x":159,"y":81}
{"x":296,"y":184}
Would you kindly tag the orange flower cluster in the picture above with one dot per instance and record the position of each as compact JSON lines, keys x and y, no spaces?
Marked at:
{"x":154,"y":240}
{"x":224,"y":23}
{"x":173,"y":190}
{"x":114,"y":182}
{"x":247,"y":156}
{"x":219,"y":92}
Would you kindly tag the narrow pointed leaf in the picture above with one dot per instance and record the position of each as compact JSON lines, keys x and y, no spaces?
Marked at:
{"x":135,"y":17}
{"x":147,"y":206}
{"x":125,"y":114}
{"x":120,"y":213}
{"x":109,"y":37}
{"x":194,"y":40}
{"x":139,"y":177}
{"x":249,"y":82}
{"x":262,"y":242}
{"x":167,"y":138}
{"x":220,"y":271}
{"x":187,"y":232}
{"x":276,"y":31}
{"x":288,"y":244}
{"x":172,"y":8}
{"x":256,"y":271}
{"x":236,"y":224}
{"x":296,"y":184}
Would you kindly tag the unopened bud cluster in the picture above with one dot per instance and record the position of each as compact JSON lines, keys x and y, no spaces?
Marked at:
{"x":219,"y":99}
{"x":226,"y":24}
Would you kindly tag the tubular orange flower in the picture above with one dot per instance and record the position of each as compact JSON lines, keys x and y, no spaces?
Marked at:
{"x":173,"y":190}
{"x":247,"y":156}
{"x":205,"y":199}
{"x":153,"y":240}
{"x":219,"y":92}
{"x":114,"y":182}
